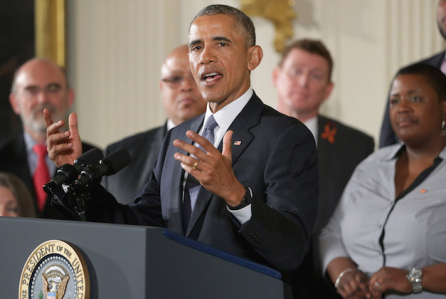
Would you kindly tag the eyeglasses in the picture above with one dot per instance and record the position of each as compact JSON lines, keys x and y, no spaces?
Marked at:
{"x":53,"y":88}
{"x":176,"y":80}
{"x":316,"y":76}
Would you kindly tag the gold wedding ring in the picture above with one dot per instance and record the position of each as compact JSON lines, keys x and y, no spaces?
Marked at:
{"x":195,"y":166}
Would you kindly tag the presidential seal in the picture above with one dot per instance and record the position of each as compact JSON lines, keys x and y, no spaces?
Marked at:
{"x":55,"y":270}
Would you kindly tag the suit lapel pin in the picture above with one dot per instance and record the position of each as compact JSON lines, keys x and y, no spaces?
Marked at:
{"x":238,"y":142}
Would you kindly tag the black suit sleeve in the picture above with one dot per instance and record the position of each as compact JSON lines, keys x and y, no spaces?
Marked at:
{"x":280,"y":227}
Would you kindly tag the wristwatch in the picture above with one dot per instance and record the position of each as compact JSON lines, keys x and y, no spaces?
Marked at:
{"x":415,"y":277}
{"x":246,"y":200}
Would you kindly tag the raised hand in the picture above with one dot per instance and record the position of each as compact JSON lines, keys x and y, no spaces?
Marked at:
{"x":212,"y":169}
{"x":63,"y":147}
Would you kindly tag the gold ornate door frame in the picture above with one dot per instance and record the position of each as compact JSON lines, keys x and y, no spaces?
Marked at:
{"x":50,"y":33}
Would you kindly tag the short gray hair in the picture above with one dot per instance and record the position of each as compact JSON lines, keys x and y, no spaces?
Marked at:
{"x":245,"y":23}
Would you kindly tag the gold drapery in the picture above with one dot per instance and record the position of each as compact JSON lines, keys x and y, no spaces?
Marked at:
{"x":280,"y":12}
{"x":50,"y":30}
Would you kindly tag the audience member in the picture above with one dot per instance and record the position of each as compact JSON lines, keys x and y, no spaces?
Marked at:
{"x":387,"y":136}
{"x":15,"y":199}
{"x":182,"y":101}
{"x":303,"y":82}
{"x":255,"y":193}
{"x":38,"y":84}
{"x":388,"y":233}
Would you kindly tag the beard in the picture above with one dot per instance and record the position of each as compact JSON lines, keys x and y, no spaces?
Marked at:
{"x":36,"y":122}
{"x":441,"y":29}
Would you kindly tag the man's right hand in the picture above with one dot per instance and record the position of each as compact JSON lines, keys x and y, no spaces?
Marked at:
{"x":63,"y":147}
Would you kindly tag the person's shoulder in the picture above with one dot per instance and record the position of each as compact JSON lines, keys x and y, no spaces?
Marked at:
{"x":274,"y":125}
{"x":434,"y":60}
{"x":14,"y":145}
{"x":344,"y":129}
{"x":13,"y":156}
{"x":136,"y":139}
{"x":5,"y":139}
{"x":271,"y":114}
{"x":87,"y":146}
{"x":6,"y":144}
{"x":187,"y":125}
{"x":383,"y":154}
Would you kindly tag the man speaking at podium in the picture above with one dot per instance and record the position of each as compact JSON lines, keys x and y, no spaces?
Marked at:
{"x":242,"y":178}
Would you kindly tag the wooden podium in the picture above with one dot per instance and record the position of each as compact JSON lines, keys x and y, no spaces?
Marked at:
{"x":127,"y":261}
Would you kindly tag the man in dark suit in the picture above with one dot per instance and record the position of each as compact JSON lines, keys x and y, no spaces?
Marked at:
{"x":182,"y":101}
{"x":388,"y":136}
{"x":37,"y":84}
{"x":257,"y":174}
{"x":303,"y":82}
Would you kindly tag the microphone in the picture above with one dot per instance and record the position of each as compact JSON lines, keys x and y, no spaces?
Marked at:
{"x":68,"y":172}
{"x":78,"y":193}
{"x":110,"y":165}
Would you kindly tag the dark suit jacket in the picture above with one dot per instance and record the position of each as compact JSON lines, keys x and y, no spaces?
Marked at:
{"x":338,"y":158}
{"x":387,"y":136}
{"x":13,"y":159}
{"x":276,"y":158}
{"x":337,"y":161}
{"x":144,"y":149}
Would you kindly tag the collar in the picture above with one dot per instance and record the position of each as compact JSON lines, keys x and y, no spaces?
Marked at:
{"x":311,"y":124}
{"x":170,"y":124}
{"x":394,"y":151}
{"x":227,"y":114}
{"x":29,"y":142}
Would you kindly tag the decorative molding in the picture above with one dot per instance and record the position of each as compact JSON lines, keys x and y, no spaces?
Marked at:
{"x":50,"y":30}
{"x":280,"y":12}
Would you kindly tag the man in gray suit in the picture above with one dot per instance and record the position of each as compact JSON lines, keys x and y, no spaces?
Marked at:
{"x":38,"y":84}
{"x":182,"y":101}
{"x":303,"y":82}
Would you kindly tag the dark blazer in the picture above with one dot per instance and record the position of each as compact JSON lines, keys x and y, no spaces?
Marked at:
{"x":144,"y":149}
{"x":13,"y":159}
{"x":337,"y":161}
{"x":340,"y":150}
{"x":387,"y":136}
{"x":274,"y":155}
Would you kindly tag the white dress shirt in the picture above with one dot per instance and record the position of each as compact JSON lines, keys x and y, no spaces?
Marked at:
{"x":312,"y":126}
{"x":224,"y":119}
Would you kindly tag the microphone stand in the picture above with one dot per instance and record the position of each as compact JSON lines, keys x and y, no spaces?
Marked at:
{"x":78,"y":193}
{"x":78,"y":196}
{"x":74,"y":198}
{"x":59,"y":203}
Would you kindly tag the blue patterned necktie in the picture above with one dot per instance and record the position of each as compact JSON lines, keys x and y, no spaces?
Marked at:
{"x":192,"y":185}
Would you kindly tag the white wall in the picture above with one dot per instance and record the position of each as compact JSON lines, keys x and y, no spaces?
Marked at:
{"x":116,"y":48}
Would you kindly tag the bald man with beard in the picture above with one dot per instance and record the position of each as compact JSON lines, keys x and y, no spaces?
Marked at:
{"x":182,"y":101}
{"x":38,"y":84}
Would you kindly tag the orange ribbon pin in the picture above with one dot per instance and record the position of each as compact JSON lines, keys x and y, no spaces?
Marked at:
{"x":329,"y":133}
